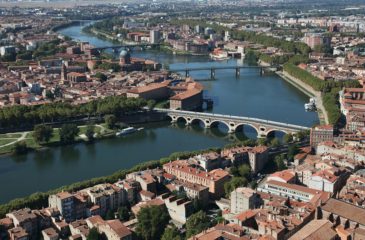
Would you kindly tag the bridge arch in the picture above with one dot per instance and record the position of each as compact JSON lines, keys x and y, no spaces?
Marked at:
{"x":216,"y":123}
{"x":276,"y":133}
{"x":198,"y":121}
{"x":247,"y":129}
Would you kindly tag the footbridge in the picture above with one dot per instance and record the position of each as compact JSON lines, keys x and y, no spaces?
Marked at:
{"x":262,"y":127}
{"x":214,"y":68}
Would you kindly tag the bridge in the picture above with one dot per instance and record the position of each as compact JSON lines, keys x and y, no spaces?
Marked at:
{"x":262,"y":127}
{"x":117,"y":47}
{"x":213,"y":69}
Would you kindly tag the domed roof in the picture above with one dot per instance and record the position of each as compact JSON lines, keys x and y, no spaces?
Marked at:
{"x":124,"y":53}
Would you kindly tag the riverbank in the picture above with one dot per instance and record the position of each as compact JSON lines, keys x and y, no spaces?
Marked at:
{"x":40,"y":199}
{"x":309,"y":91}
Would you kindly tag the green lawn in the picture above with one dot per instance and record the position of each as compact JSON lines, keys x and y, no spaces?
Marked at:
{"x":31,"y":143}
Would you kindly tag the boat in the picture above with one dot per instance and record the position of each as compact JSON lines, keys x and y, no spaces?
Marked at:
{"x":126,"y":131}
{"x":311,"y":106}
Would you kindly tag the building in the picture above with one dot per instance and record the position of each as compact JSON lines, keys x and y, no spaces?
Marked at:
{"x":64,"y":202}
{"x":293,"y":191}
{"x":50,"y":234}
{"x":324,"y":181}
{"x":256,"y":157}
{"x":106,"y":196}
{"x":193,"y":191}
{"x":342,"y":213}
{"x":6,"y":50}
{"x":155,"y":91}
{"x":155,"y":36}
{"x":243,"y":199}
{"x":285,"y":176}
{"x":320,"y":134}
{"x":26,"y":220}
{"x":178,"y":209}
{"x":316,"y":229}
{"x":214,"y":179}
{"x":115,"y":230}
{"x":18,"y":233}
{"x":316,"y":39}
{"x":189,"y":100}
{"x":222,"y":231}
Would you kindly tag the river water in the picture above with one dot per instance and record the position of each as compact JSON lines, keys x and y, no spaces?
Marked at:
{"x":251,"y":95}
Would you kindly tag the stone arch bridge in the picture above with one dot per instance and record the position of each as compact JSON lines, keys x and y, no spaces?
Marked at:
{"x":262,"y":127}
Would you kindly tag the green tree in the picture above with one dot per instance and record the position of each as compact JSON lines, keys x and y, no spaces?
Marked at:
{"x":42,"y":133}
{"x":94,"y":234}
{"x":234,"y":183}
{"x":68,"y":133}
{"x":292,"y":151}
{"x":110,"y":121}
{"x":109,"y":215}
{"x":244,"y":171}
{"x":101,"y":76}
{"x":196,"y":223}
{"x":151,"y":104}
{"x":171,"y":233}
{"x":152,"y":222}
{"x":275,"y":143}
{"x":20,"y":147}
{"x":123,"y":213}
{"x":279,"y":163}
{"x":261,"y":141}
{"x":90,"y":132}
{"x":288,"y":138}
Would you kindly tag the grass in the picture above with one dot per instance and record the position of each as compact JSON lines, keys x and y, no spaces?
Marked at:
{"x":55,"y":139}
{"x":10,"y":135}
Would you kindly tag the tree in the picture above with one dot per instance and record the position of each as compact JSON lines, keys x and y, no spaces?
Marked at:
{"x":261,"y":141}
{"x":275,"y":143}
{"x":20,"y":147}
{"x":110,"y":121}
{"x":151,"y":104}
{"x":171,"y":233}
{"x":244,"y":171}
{"x":68,"y":132}
{"x":279,"y":163}
{"x":123,"y":214}
{"x":292,"y":151}
{"x":234,"y":183}
{"x":42,"y":133}
{"x":101,"y":76}
{"x":288,"y":138}
{"x":109,"y":215}
{"x":94,"y":234}
{"x":152,"y":221}
{"x":197,"y":223}
{"x":90,"y":132}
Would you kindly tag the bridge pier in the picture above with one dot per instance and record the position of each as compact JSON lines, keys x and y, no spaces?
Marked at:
{"x":262,"y":71}
{"x":187,"y":73}
{"x":212,"y":73}
{"x":238,"y":72}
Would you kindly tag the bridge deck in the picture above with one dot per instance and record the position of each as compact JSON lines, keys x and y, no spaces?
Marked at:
{"x":230,"y":117}
{"x":219,"y":67}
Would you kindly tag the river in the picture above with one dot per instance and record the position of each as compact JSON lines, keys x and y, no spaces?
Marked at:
{"x":267,"y":97}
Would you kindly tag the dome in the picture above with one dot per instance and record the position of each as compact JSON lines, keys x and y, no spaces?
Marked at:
{"x":124,"y":53}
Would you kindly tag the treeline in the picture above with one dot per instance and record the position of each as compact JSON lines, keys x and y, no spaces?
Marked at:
{"x":40,"y":199}
{"x":268,"y":41}
{"x":21,"y":116}
{"x":316,"y":83}
{"x":329,"y":89}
